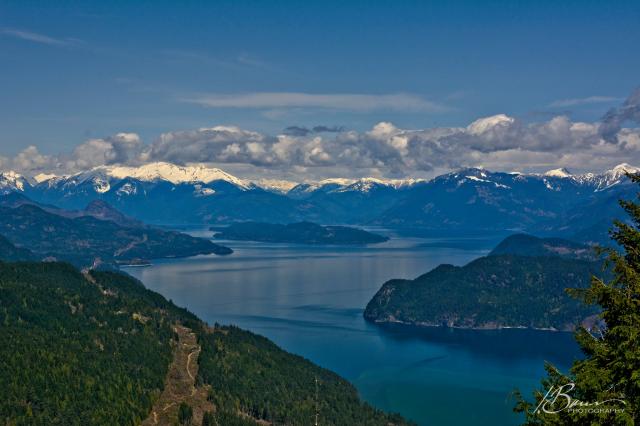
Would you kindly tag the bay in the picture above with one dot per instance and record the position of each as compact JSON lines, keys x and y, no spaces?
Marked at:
{"x":309,"y":300}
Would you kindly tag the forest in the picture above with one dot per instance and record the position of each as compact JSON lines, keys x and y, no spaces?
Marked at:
{"x":94,"y":348}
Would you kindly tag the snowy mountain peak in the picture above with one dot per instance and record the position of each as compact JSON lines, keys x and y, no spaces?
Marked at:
{"x":11,"y":181}
{"x":367,"y":183}
{"x":561,"y":173}
{"x":607,"y":179}
{"x":275,"y":185}
{"x":164,"y":171}
{"x":336,"y":181}
{"x":624,"y":168}
{"x":42,"y":177}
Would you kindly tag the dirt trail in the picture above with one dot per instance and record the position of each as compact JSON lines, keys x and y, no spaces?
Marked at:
{"x":179,"y":384}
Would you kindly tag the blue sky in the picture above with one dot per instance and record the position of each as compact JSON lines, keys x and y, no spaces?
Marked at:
{"x":72,"y":71}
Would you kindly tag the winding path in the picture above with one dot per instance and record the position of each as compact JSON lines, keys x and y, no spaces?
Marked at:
{"x":179,"y":385}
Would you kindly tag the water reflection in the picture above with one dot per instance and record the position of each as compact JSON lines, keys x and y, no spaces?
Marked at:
{"x":506,"y":344}
{"x":309,"y":300}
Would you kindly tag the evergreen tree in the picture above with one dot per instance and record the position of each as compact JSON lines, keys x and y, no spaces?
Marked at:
{"x":208,"y":419}
{"x":605,"y":385}
{"x":185,"y":414}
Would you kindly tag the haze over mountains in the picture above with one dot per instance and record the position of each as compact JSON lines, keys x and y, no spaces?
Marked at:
{"x":555,"y":202}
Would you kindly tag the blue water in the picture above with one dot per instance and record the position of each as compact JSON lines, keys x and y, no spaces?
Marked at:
{"x":309,"y":300}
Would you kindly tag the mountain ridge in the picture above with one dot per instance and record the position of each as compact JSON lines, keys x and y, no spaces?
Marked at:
{"x":534,"y":203}
{"x":178,"y":174}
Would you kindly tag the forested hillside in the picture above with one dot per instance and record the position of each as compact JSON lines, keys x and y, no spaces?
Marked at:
{"x":520,"y":284}
{"x":94,"y":349}
{"x":86,"y":239}
{"x":250,"y":374}
{"x":76,"y":352}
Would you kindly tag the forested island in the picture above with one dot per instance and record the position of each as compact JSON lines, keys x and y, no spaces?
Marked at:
{"x":520,"y":284}
{"x":299,"y":233}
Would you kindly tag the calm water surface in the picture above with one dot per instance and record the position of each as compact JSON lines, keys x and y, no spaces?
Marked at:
{"x":309,"y":300}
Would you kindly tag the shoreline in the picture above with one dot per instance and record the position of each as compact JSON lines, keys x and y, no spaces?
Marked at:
{"x":456,"y":327}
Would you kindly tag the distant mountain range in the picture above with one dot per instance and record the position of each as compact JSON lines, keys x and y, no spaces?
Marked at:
{"x":555,"y":203}
{"x":520,"y":284}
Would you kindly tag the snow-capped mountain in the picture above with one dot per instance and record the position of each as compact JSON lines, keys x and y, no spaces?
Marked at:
{"x":152,"y":172}
{"x":609,"y":178}
{"x":102,"y":178}
{"x":598,"y":181}
{"x":172,"y":173}
{"x":362,"y":185}
{"x":11,"y":181}
{"x":368,"y":184}
{"x":275,"y":185}
{"x":561,"y":173}
{"x":465,"y":199}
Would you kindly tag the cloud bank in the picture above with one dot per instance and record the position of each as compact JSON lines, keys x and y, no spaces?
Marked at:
{"x":612,"y":122}
{"x":498,"y":142}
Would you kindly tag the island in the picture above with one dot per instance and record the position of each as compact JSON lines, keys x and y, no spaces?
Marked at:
{"x":506,"y":289}
{"x":300,"y":233}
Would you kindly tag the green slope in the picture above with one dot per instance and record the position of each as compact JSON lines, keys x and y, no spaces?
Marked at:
{"x":528,"y":245}
{"x":94,"y":350}
{"x":84,"y":239}
{"x":526,"y":289}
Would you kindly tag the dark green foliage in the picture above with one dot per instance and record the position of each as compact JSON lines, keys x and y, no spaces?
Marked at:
{"x":490,"y":292}
{"x":251,"y":375}
{"x":302,"y":233}
{"x":76,"y":352}
{"x":95,"y":349}
{"x":11,"y":253}
{"x":208,"y":419}
{"x":610,"y":370}
{"x":227,"y":418}
{"x":528,"y":245}
{"x":185,"y":413}
{"x":83,"y":239}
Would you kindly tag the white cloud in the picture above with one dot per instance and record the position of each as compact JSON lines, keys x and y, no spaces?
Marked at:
{"x":38,"y":38}
{"x":614,"y":119}
{"x":489,"y":124}
{"x":31,"y":160}
{"x":499,"y":142}
{"x":122,"y":148}
{"x":341,"y":101}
